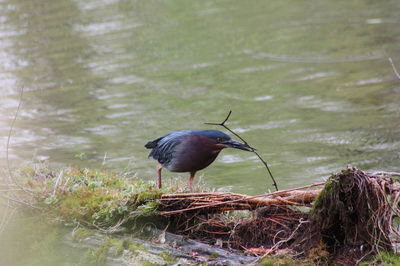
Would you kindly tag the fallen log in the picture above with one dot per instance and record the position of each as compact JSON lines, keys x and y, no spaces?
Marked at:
{"x":171,"y":204}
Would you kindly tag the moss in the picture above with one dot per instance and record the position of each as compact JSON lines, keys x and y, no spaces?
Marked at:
{"x":126,"y":243}
{"x":383,"y":258}
{"x":148,"y":209}
{"x":328,"y":190}
{"x":119,"y":250}
{"x":319,"y":255}
{"x":148,"y":263}
{"x":100,"y":198}
{"x":135,"y":247}
{"x":148,"y":195}
{"x":119,"y":245}
{"x":116,"y":245}
{"x":213,"y":256}
{"x":97,"y":256}
{"x":111,"y":246}
{"x":168,"y":258}
{"x":81,"y":234}
{"x":278,"y":261}
{"x":100,"y":254}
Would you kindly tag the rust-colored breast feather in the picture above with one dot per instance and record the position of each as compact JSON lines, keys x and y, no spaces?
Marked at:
{"x":194,"y":153}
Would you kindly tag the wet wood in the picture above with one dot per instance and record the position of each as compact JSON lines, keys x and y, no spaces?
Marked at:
{"x":220,"y":201}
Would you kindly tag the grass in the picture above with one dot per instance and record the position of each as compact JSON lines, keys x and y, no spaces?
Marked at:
{"x":100,"y":198}
{"x":93,"y":197}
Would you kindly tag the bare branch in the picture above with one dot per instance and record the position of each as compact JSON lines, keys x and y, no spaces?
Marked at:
{"x":394,"y":68}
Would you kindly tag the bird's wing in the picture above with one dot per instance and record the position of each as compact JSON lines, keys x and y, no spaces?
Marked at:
{"x":164,"y":147}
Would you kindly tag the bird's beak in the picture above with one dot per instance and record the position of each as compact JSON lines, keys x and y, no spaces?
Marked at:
{"x":237,"y":145}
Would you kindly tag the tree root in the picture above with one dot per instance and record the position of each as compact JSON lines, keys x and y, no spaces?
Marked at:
{"x":353,"y":217}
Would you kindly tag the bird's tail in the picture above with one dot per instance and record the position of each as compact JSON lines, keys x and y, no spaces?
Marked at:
{"x":151,"y":144}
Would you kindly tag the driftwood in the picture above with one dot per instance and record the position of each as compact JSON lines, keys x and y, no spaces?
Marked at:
{"x":218,"y":202}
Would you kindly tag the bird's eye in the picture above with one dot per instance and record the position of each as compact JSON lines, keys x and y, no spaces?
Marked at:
{"x":219,"y":140}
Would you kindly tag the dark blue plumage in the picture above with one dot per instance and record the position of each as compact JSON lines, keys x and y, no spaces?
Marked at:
{"x":190,"y":150}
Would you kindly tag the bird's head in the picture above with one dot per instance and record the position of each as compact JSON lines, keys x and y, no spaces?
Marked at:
{"x":222,"y":140}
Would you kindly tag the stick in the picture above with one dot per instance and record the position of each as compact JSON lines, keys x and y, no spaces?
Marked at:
{"x":240,"y":199}
{"x":385,"y":173}
{"x":394,"y":68}
{"x":59,"y":178}
{"x":245,"y":142}
{"x":11,"y":178}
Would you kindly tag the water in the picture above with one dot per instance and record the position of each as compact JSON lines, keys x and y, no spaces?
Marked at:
{"x":28,"y":240}
{"x":308,"y":82}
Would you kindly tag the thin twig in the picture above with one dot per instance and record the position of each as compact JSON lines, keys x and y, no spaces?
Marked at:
{"x":10,"y":175}
{"x":4,"y":219}
{"x":394,"y":68}
{"x":104,"y":159}
{"x":8,"y":219}
{"x":245,"y":142}
{"x":269,"y":171}
{"x":10,"y":189}
{"x":22,"y":202}
{"x":384,"y":173}
{"x":7,"y":185}
{"x":59,"y":178}
{"x":279,"y":243}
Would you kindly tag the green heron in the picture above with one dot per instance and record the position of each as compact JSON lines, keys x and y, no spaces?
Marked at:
{"x":190,"y":150}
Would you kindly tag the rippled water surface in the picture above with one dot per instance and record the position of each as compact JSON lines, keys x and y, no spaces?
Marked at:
{"x":308,"y":82}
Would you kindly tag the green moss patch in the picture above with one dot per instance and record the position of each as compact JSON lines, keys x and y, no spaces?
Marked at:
{"x":384,"y":258}
{"x":94,"y":197}
{"x":279,"y":261}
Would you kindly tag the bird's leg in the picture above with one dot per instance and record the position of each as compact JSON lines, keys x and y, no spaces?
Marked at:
{"x":191,"y":181}
{"x":159,"y":168}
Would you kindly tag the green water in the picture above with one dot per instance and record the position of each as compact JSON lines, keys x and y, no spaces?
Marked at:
{"x":308,"y":82}
{"x":28,"y":240}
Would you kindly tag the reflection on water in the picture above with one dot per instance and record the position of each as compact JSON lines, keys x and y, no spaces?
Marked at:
{"x":309,"y":84}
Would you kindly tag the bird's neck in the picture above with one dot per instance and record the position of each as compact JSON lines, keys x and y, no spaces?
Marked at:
{"x":216,"y":148}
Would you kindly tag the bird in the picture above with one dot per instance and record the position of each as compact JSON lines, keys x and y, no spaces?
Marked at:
{"x":190,"y":151}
